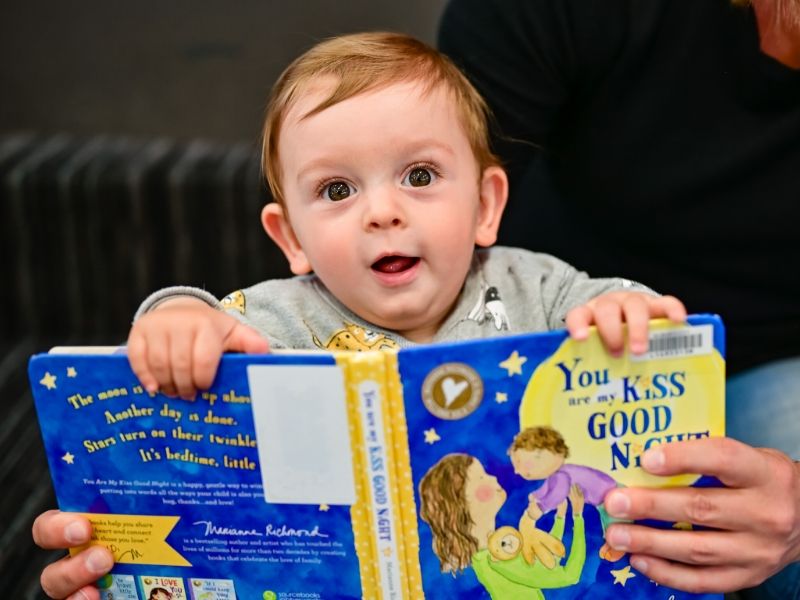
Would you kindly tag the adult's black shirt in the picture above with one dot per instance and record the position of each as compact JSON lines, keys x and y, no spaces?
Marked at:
{"x":650,"y":139}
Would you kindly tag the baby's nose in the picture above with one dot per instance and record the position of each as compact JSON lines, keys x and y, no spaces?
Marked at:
{"x":384,"y":210}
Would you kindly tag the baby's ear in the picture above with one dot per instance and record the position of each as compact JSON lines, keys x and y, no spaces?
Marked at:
{"x":494,"y":193}
{"x":276,"y":224}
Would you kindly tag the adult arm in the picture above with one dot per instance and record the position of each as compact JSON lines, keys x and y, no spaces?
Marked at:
{"x":557,"y":530}
{"x":531,"y":60}
{"x":517,"y":57}
{"x":755,"y":518}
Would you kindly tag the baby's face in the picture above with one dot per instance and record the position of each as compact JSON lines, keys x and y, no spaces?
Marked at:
{"x":384,"y":197}
{"x":536,"y":464}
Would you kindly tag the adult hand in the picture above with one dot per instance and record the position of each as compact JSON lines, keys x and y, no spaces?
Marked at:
{"x":70,"y":577}
{"x":755,"y":519}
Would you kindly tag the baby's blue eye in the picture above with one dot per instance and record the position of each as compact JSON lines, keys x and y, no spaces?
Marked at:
{"x":419,"y":177}
{"x":338,"y":190}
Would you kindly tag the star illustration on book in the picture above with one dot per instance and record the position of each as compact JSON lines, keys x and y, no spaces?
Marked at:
{"x":68,"y":458}
{"x":71,"y":372}
{"x":324,"y":507}
{"x":501,"y":397}
{"x":387,"y":551}
{"x":682,"y":525}
{"x":48,"y":381}
{"x":622,"y":575}
{"x":513,"y":364}
{"x":431,"y":437}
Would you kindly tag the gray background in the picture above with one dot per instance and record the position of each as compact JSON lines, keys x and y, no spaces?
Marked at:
{"x":183,"y":69}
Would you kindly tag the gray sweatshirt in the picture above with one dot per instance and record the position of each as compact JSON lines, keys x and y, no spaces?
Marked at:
{"x":507,"y":291}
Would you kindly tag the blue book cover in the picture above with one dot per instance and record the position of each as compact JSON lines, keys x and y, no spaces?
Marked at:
{"x":498,"y":433}
{"x":471,"y":470}
{"x":174,"y":489}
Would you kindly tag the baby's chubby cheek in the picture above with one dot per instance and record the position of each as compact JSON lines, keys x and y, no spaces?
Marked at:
{"x":484,"y":493}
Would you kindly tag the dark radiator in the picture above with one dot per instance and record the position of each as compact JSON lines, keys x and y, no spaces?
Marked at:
{"x":91,"y":226}
{"x":88,"y":227}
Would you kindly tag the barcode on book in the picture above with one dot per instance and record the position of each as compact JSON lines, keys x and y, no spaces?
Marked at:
{"x":675,"y":343}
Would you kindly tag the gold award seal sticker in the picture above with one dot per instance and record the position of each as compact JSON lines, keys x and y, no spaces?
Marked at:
{"x":452,"y":391}
{"x":609,"y":411}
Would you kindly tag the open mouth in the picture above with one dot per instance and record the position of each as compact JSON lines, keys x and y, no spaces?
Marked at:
{"x":395,"y":264}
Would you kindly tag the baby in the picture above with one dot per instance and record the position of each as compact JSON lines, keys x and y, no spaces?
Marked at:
{"x":539,"y":453}
{"x":376,"y":150}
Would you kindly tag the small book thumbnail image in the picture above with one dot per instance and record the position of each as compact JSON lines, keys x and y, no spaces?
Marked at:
{"x":156,"y":587}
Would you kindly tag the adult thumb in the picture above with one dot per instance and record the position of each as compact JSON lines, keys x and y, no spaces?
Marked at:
{"x":245,"y":339}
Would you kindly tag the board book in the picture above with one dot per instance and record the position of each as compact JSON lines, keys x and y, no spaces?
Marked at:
{"x":463,"y":470}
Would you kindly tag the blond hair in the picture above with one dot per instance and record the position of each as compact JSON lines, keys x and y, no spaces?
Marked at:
{"x":540,"y":438}
{"x":364,"y":62}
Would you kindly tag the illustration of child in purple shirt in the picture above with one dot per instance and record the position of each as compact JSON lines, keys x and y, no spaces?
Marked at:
{"x":539,"y":453}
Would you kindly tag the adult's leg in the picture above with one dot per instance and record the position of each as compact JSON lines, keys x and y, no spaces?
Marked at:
{"x":763,"y":410}
{"x":763,"y":406}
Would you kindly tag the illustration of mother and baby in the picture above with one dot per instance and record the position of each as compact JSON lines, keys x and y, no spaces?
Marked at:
{"x":460,"y":501}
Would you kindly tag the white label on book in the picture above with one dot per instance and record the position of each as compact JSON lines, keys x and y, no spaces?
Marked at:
{"x":676,"y":343}
{"x":303,"y":437}
{"x":375,"y":444}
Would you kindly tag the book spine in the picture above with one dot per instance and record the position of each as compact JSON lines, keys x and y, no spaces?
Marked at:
{"x":406,"y":512}
{"x":375,"y":526}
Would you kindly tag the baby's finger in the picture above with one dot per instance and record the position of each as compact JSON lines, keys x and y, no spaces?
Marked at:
{"x":608,"y":317}
{"x":158,"y":358}
{"x":246,"y":339}
{"x":637,"y":316}
{"x":578,"y":321}
{"x":137,"y":355}
{"x":670,"y":307}
{"x":70,"y":574}
{"x":206,"y":354}
{"x":181,"y":350}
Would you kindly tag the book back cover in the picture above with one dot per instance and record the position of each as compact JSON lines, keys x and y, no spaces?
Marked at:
{"x":174,"y":487}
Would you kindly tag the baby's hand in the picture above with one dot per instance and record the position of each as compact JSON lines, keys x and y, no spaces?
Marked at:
{"x":577,"y":499}
{"x":176,"y":348}
{"x":609,"y":311}
{"x":534,"y":511}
